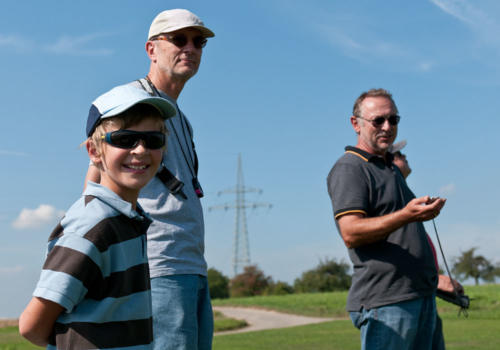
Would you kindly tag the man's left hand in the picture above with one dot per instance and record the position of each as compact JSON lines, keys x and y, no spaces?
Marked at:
{"x":445,"y":284}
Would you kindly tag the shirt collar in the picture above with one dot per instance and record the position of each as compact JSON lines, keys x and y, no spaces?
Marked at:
{"x":113,"y":200}
{"x":369,"y":157}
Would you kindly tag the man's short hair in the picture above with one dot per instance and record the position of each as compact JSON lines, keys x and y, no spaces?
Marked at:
{"x":356,"y":110}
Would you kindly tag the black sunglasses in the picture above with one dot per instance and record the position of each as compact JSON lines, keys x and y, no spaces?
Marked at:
{"x":393,"y":119}
{"x":181,"y":40}
{"x":130,"y":139}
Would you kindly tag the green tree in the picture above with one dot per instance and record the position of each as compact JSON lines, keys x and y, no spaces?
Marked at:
{"x":250,"y":282}
{"x":328,"y":276}
{"x":218,"y":284}
{"x":279,"y":288}
{"x":473,"y":266}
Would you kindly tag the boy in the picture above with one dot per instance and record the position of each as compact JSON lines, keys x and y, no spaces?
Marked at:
{"x":94,"y":289}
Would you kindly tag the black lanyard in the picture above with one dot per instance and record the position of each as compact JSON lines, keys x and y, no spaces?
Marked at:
{"x":192,"y":162}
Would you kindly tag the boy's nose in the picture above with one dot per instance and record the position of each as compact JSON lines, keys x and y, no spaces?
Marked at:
{"x":140,"y":147}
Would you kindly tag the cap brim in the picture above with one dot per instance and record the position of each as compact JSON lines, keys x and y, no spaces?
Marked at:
{"x":164,"y":107}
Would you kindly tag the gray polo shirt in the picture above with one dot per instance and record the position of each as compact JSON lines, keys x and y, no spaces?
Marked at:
{"x":398,"y":268}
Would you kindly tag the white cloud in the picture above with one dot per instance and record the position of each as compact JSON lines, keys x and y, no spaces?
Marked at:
{"x":15,"y":42}
{"x":447,"y":190}
{"x":476,"y":15}
{"x":462,"y":10}
{"x":362,"y":50}
{"x":75,"y":45}
{"x":365,"y":46}
{"x":65,"y":45}
{"x":39,"y":217}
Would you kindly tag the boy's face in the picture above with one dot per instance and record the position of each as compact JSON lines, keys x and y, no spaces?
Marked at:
{"x":126,"y":171}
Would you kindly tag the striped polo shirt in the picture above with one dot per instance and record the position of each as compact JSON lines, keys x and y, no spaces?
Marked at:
{"x":97,"y":269}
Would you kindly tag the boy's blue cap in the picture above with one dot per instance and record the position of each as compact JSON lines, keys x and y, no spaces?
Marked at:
{"x":121,"y":98}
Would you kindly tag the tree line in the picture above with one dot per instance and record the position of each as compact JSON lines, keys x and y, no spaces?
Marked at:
{"x":329,"y":275}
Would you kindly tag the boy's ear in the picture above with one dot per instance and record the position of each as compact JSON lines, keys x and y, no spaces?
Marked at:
{"x":94,"y":154}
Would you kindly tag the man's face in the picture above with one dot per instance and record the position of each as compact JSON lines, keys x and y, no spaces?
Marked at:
{"x":178,"y":63}
{"x":372,"y":138}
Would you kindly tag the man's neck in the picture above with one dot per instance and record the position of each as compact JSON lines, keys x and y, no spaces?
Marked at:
{"x":365,"y":148}
{"x":164,"y":83}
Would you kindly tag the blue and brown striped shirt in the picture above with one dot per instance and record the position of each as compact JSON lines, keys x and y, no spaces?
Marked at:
{"x":97,"y":269}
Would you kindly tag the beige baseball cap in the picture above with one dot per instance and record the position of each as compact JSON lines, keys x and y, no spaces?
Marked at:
{"x":172,"y":20}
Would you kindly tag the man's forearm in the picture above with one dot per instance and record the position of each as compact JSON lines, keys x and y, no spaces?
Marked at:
{"x":357,"y":230}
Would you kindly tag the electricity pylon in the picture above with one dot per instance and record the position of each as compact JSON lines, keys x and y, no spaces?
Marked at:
{"x":241,"y":247}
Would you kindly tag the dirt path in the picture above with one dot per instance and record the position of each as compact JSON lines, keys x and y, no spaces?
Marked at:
{"x":259,"y":319}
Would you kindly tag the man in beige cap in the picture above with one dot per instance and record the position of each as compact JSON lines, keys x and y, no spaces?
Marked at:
{"x":182,"y":312}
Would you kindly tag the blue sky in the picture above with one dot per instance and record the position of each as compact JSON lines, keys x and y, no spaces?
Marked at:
{"x":277,"y":85}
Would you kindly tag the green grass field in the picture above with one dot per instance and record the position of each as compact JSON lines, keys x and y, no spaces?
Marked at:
{"x":480,"y":331}
{"x":11,"y":340}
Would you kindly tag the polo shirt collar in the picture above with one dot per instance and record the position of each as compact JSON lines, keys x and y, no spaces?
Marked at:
{"x":113,"y":200}
{"x":369,"y":157}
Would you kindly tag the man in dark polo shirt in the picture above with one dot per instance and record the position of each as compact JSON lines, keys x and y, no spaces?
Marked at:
{"x":391,"y":299}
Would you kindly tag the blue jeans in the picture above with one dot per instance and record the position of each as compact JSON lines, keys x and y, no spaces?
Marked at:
{"x":182,"y":313}
{"x":438,"y":339}
{"x":408,"y":325}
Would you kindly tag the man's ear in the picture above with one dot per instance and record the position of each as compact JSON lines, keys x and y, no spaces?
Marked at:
{"x":355,"y":124}
{"x":150,"y":50}
{"x":94,"y":154}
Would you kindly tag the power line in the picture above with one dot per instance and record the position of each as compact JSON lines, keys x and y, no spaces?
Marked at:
{"x":241,"y":247}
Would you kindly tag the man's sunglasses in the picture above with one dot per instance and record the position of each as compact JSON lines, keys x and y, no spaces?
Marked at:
{"x":130,"y":139}
{"x":181,"y":40}
{"x":393,"y":119}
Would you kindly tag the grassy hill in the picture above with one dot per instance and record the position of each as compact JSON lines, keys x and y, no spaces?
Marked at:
{"x":480,"y":331}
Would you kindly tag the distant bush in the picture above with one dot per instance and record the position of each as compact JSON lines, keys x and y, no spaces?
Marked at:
{"x":328,"y":276}
{"x":250,"y":282}
{"x":218,"y":284}
{"x":279,"y":288}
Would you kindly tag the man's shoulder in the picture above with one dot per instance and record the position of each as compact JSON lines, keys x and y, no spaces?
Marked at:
{"x":351,"y":159}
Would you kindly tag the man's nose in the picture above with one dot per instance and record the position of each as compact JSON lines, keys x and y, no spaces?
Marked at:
{"x":386,"y":125}
{"x":190,"y":45}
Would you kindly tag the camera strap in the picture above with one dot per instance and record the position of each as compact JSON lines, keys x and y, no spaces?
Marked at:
{"x":455,"y":297}
{"x":170,"y":180}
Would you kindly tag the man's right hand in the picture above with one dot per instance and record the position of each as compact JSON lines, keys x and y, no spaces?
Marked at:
{"x":356,"y":229}
{"x":423,"y":208}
